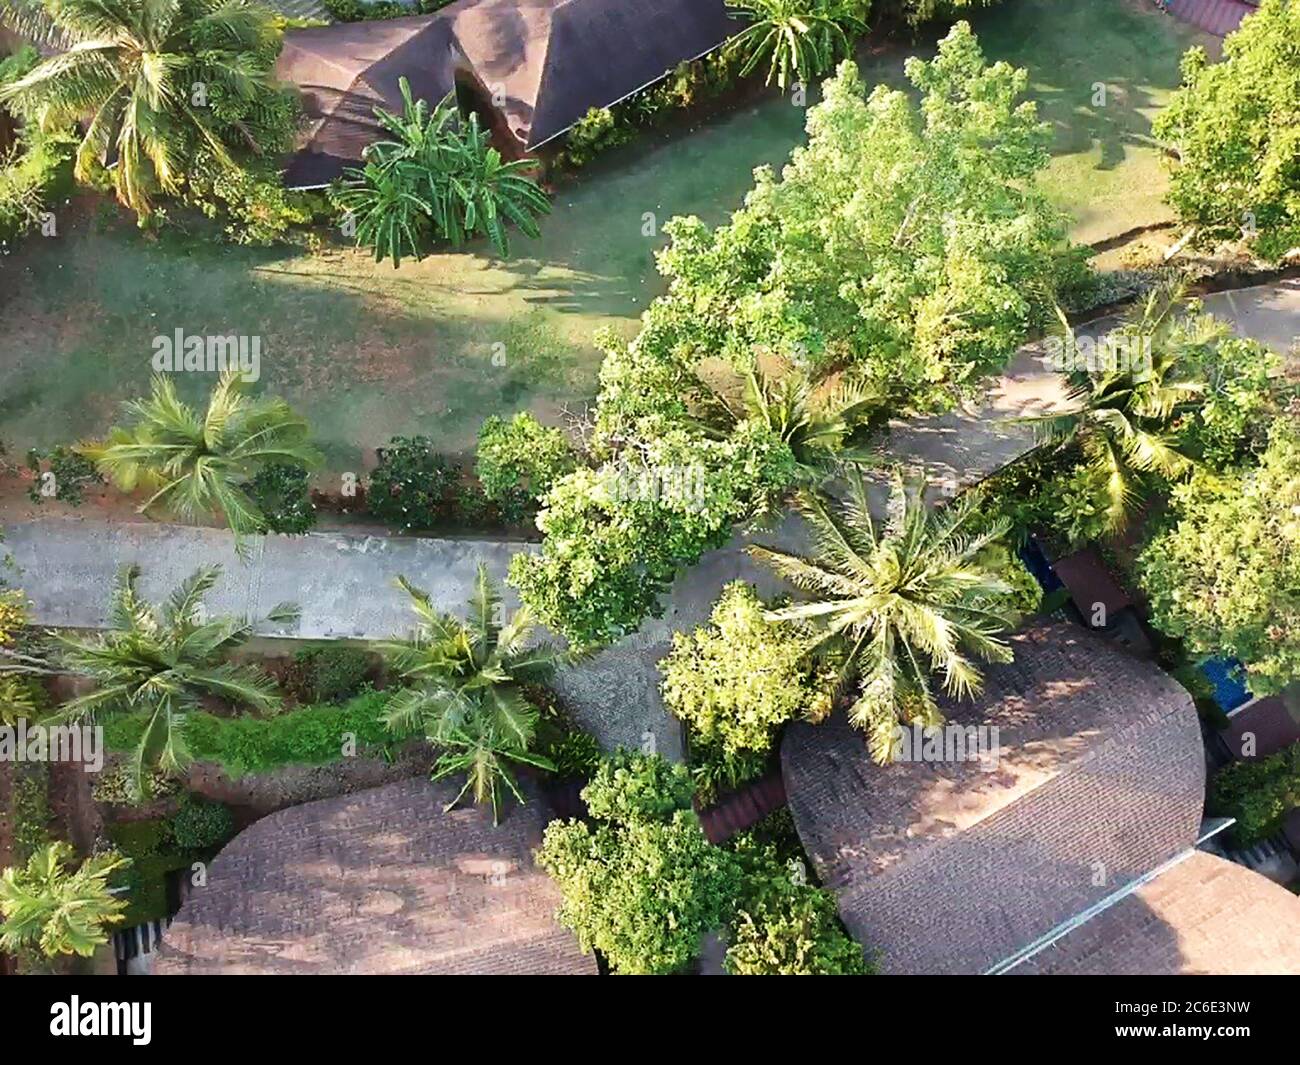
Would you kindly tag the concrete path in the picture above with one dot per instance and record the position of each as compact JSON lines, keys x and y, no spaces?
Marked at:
{"x":344,"y":584}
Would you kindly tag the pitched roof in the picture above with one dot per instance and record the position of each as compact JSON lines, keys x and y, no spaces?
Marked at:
{"x":951,"y":867}
{"x":380,"y":881}
{"x":548,"y":61}
{"x":1205,"y":915}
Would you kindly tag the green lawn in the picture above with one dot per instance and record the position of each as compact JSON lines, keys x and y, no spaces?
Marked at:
{"x":366,"y":352}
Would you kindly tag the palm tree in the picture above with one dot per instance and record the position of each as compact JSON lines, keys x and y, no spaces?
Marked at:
{"x":60,"y":912}
{"x":799,"y":38}
{"x":824,"y":423}
{"x":130,"y":70}
{"x":438,"y":173}
{"x":465,"y":690}
{"x":201,"y":464}
{"x":161,"y":660}
{"x":896,"y":604}
{"x":1123,"y":413}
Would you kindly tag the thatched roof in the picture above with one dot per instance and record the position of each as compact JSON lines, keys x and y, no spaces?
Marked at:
{"x":380,"y":881}
{"x":546,"y":62}
{"x":947,"y":867}
{"x":1205,"y":915}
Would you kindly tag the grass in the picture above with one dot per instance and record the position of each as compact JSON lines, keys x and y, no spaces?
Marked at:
{"x":366,"y":352}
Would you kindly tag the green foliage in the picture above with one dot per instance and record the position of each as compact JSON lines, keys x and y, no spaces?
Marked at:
{"x":30,"y":177}
{"x":641,"y":884}
{"x":46,"y":905}
{"x":159,"y":129}
{"x":597,"y":131}
{"x":311,"y":735}
{"x":439,"y":177}
{"x":518,"y":462}
{"x":781,"y":924}
{"x":21,"y":697}
{"x":469,"y":689}
{"x":631,"y":786}
{"x":258,"y":210}
{"x":330,"y":674}
{"x":62,"y":472}
{"x":715,"y":770}
{"x":115,"y":786}
{"x":1225,"y":575}
{"x":200,"y":825}
{"x":1236,"y":132}
{"x":30,"y":806}
{"x":738,"y":679}
{"x":1026,"y":594}
{"x":408,"y":489}
{"x":364,"y":11}
{"x":1259,"y":794}
{"x":573,"y":753}
{"x":19,"y":64}
{"x":1242,"y":396}
{"x":896,"y":604}
{"x":279,"y":490}
{"x":797,"y":39}
{"x":163,"y":660}
{"x":202,"y":463}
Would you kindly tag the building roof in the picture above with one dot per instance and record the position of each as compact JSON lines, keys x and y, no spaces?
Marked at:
{"x":379,"y":881}
{"x":1205,"y":915}
{"x":1268,"y":723}
{"x":547,"y":62}
{"x":952,"y":867}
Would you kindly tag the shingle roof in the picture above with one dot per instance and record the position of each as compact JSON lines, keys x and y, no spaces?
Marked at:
{"x":380,"y":881}
{"x":947,"y":867}
{"x":1205,"y":915}
{"x":549,"y":61}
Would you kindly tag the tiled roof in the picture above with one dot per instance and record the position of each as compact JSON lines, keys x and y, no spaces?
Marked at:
{"x":380,"y":881}
{"x":949,"y":867}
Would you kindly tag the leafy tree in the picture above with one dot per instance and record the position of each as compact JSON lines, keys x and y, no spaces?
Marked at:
{"x":1235,"y":129}
{"x":798,"y":39}
{"x":438,"y":176}
{"x":131,"y":71}
{"x":280,"y":492}
{"x":162,"y":660}
{"x":899,"y":602}
{"x":60,"y":912}
{"x":465,"y":689}
{"x":1225,"y":575}
{"x":1124,"y":417}
{"x":519,"y":460}
{"x":641,"y":884}
{"x":1258,"y":794}
{"x":203,"y":463}
{"x":408,"y":489}
{"x":631,"y":786}
{"x":736,"y":680}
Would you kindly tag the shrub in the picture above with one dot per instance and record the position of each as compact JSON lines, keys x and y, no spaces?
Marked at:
{"x":327,"y":674}
{"x":60,"y":474}
{"x":281,"y":494}
{"x":1259,"y":794}
{"x":737,"y":679}
{"x":630,"y":786}
{"x":30,"y":177}
{"x":519,"y":461}
{"x":200,"y":825}
{"x":30,"y":803}
{"x":408,"y":489}
{"x":20,"y":697}
{"x":715,"y":770}
{"x":115,"y":786}
{"x":597,"y":131}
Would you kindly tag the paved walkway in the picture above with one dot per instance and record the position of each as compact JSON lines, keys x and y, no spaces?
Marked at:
{"x":344,"y":584}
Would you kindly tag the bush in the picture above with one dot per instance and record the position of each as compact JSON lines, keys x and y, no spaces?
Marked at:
{"x":519,"y":461}
{"x":408,"y":489}
{"x":200,"y":825}
{"x":327,"y":674}
{"x":281,"y":494}
{"x":31,"y":177}
{"x":1259,"y":794}
{"x":630,"y":786}
{"x":30,"y":803}
{"x":597,"y":131}
{"x":715,"y":770}
{"x":60,"y":474}
{"x":115,"y":786}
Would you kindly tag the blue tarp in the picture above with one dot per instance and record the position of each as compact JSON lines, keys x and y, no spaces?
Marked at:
{"x":1228,"y":679}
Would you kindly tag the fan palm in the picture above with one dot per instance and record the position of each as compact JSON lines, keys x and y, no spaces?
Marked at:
{"x":129,"y":70}
{"x":465,"y":687}
{"x":161,"y":660}
{"x":60,"y":912}
{"x":438,"y":172}
{"x":799,"y":38}
{"x":1123,"y":415}
{"x":200,"y":464}
{"x":897,"y":603}
{"x":824,"y":424}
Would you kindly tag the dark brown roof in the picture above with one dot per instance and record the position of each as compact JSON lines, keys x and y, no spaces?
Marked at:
{"x":380,"y":881}
{"x":1271,"y":725}
{"x":1090,"y":585}
{"x":549,"y":61}
{"x":1205,"y":915}
{"x":950,"y":867}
